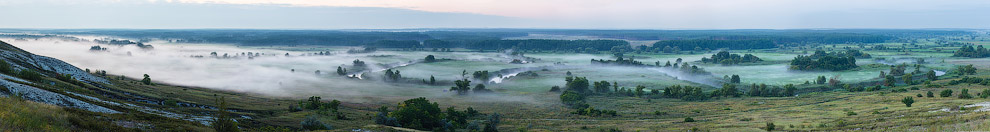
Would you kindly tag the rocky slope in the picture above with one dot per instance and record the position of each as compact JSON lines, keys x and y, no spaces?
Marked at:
{"x":23,"y":60}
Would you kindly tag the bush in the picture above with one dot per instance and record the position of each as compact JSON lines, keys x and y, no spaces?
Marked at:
{"x":492,"y":124}
{"x":964,"y":94}
{"x":946,"y":93}
{"x":571,"y":97}
{"x":311,"y":123}
{"x":6,"y":68}
{"x":29,"y":75}
{"x":170,"y":103}
{"x":770,"y":126}
{"x":689,"y":119}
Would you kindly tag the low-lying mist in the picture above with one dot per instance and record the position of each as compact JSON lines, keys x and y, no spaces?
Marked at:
{"x":269,"y":74}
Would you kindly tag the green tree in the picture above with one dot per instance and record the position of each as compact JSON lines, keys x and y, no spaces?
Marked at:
{"x":461,"y":86}
{"x":639,"y":90}
{"x":480,"y":88}
{"x":930,"y":94}
{"x":889,"y":80}
{"x":571,"y":97}
{"x":221,"y":119}
{"x":146,"y":80}
{"x":430,"y":58}
{"x":578,"y":84}
{"x":907,"y":101}
{"x":931,"y":75}
{"x":908,"y":78}
{"x":334,"y":105}
{"x":789,"y":90}
{"x":433,"y":81}
{"x":341,"y":71}
{"x":492,"y":124}
{"x":419,"y":114}
{"x":729,"y":90}
{"x":458,"y":118}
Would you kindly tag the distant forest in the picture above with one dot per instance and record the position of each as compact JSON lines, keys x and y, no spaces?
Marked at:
{"x":671,"y":41}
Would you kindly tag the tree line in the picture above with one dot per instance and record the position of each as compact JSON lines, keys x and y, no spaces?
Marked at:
{"x":969,"y":51}
{"x":668,"y":46}
{"x":724,"y":58}
{"x":823,"y":61}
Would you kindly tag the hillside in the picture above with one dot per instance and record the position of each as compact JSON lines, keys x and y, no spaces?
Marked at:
{"x":46,"y":94}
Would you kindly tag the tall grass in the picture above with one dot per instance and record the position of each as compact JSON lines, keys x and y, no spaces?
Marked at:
{"x":21,"y":115}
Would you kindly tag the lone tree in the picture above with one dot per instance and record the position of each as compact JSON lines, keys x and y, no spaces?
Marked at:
{"x":221,"y":119}
{"x":146,"y":80}
{"x":908,"y":101}
{"x":433,"y":81}
{"x":461,"y":86}
{"x":931,"y":75}
{"x":341,"y":71}
{"x":430,"y":58}
{"x":734,"y":79}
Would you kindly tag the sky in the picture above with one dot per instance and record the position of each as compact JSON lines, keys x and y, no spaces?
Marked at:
{"x":582,"y":14}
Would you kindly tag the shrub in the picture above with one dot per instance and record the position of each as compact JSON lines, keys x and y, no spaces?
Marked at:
{"x":964,"y":94}
{"x":770,"y":126}
{"x":908,"y":101}
{"x":311,"y":123}
{"x":571,"y":97}
{"x":6,"y":68}
{"x":29,"y":75}
{"x":946,"y":93}
{"x":170,"y":103}
{"x":688,"y":119}
{"x":930,"y":94}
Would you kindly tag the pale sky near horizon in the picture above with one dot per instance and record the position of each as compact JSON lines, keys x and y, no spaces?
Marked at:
{"x":585,"y":14}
